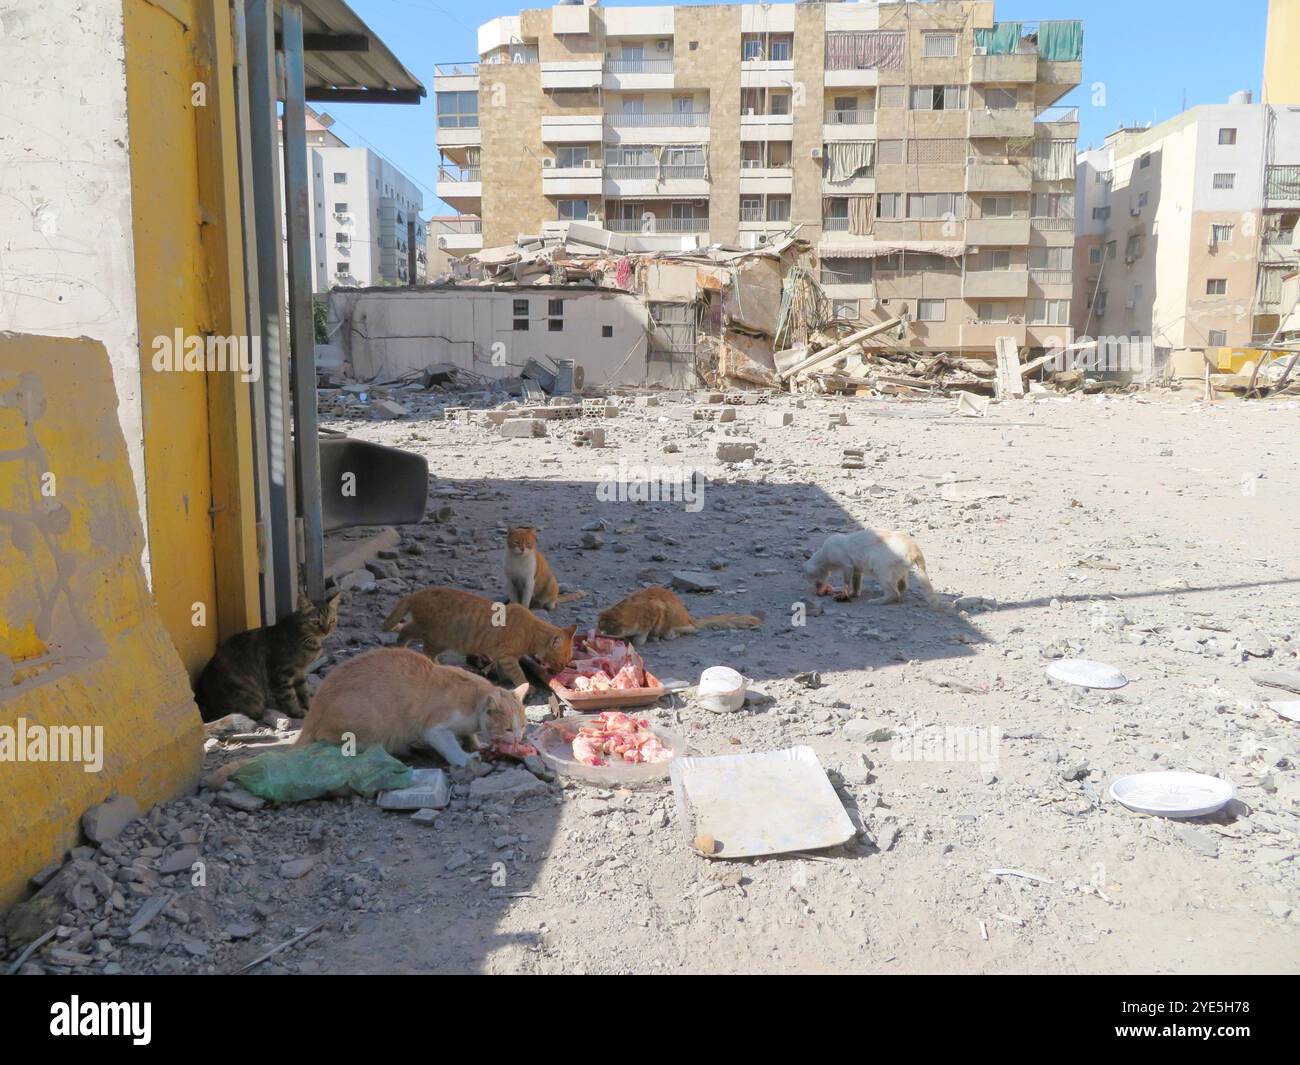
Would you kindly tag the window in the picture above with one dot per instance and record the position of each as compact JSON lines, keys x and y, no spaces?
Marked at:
{"x":571,"y":156}
{"x":521,"y":325}
{"x":939,"y":45}
{"x":1133,"y":247}
{"x":991,"y":312}
{"x":1227,"y":135}
{"x":1145,"y":161}
{"x":779,"y":48}
{"x":456,"y":110}
{"x":1218,"y":338}
{"x":889,"y":205}
{"x":1053,"y":205}
{"x":1220,"y":234}
{"x":1099,"y":304}
{"x":1094,"y":255}
{"x":846,"y":271}
{"x":607,"y":330}
{"x":1100,"y":214}
{"x":751,"y":46}
{"x":778,"y":103}
{"x":751,"y":208}
{"x":932,"y":205}
{"x":520,"y":308}
{"x":938,"y":97}
{"x":778,"y":208}
{"x":931,"y":310}
{"x":845,"y":308}
{"x":572,"y":210}
{"x":343,"y":269}
{"x":340,"y":178}
{"x":1049,"y":312}
{"x":1143,"y":199}
{"x":1225,"y":181}
{"x":1000,"y":99}
{"x":997,"y":206}
{"x":1216,"y":286}
{"x":555,"y":325}
{"x":340,"y":208}
{"x":888,"y":152}
{"x":555,"y":307}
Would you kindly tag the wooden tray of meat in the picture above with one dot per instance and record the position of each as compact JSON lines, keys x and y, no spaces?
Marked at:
{"x":605,"y":674}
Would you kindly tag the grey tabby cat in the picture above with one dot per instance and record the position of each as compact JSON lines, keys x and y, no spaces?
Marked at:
{"x":267,"y":667}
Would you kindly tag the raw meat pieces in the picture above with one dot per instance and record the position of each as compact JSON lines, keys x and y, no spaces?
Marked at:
{"x":618,"y":736}
{"x":601,"y":663}
{"x":506,"y":749}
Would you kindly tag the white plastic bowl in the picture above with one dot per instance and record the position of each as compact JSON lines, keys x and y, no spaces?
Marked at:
{"x":1173,"y":794}
{"x":721,"y":689}
{"x":1085,"y":673}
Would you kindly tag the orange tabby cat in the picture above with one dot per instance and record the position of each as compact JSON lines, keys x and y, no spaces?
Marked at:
{"x":657,"y":614}
{"x":448,"y":619}
{"x":400,"y":699}
{"x":529,"y":580}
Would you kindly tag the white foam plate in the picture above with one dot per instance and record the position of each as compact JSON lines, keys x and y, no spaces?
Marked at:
{"x":1085,"y":673}
{"x":1289,"y":709}
{"x":1173,"y":794}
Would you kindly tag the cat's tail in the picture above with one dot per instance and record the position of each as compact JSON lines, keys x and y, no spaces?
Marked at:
{"x":569,"y":597}
{"x":398,"y":615}
{"x":727,"y":621}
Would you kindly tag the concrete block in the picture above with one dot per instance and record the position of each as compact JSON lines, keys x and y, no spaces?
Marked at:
{"x":736,"y":449}
{"x":777,"y":419}
{"x":523,"y":428}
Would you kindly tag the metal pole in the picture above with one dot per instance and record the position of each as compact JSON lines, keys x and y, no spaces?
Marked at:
{"x":262,"y":84}
{"x":410,"y":251}
{"x":302,"y":329}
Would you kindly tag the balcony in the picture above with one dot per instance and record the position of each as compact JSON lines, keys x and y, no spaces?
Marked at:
{"x":766,"y":127}
{"x":581,"y":74}
{"x":651,"y":226}
{"x":999,"y":232}
{"x":1052,"y":232}
{"x":996,"y":285}
{"x":670,"y":127}
{"x":458,"y":131}
{"x":578,"y":181}
{"x":572,"y":129}
{"x":772,"y":180}
{"x":1282,"y":186}
{"x":1058,"y":123}
{"x":682,"y":179}
{"x":637,"y":75}
{"x":1016,"y":69}
{"x":859,"y":125}
{"x":982,"y":336}
{"x":461,"y":187}
{"x":998,"y":177}
{"x":766,"y":73}
{"x":835,"y":225}
{"x":1011,"y":122}
{"x":455,"y":77}
{"x":457,"y":235}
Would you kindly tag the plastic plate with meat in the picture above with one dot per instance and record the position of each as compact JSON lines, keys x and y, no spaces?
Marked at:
{"x":608,"y":748}
{"x":605,"y":673}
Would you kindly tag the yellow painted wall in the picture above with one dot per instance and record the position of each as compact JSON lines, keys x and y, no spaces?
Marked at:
{"x":1281,"y":46}
{"x":189,"y":277}
{"x":81,"y":644}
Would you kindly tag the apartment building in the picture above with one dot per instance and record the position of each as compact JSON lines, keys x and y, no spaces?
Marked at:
{"x":1186,"y":229}
{"x":360,"y":206}
{"x":917,"y":144}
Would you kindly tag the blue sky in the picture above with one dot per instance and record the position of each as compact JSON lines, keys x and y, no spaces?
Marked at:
{"x":1150,"y":56}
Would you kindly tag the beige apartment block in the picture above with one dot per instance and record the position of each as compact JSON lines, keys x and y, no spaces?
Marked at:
{"x":916,"y":145}
{"x":1187,"y":229}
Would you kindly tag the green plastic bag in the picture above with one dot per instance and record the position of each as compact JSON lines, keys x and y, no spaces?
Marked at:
{"x":300,"y":773}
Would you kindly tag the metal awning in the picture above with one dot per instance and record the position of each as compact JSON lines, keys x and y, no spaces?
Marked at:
{"x":347,"y":62}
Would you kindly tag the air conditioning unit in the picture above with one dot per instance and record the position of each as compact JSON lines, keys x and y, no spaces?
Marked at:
{"x":594,"y":216}
{"x":816,"y":153}
{"x":980,"y":49}
{"x":1135,"y":211}
{"x":591,"y":164}
{"x":1129,"y":260}
{"x":548,"y":162}
{"x":1131,"y":304}
{"x":663,"y":46}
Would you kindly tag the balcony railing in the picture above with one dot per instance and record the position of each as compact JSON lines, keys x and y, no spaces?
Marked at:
{"x":1055,"y":224}
{"x":658,"y":118}
{"x":651,"y":226}
{"x":442,"y":227}
{"x":515,"y":56}
{"x":860,"y":117}
{"x":639,"y":66}
{"x":454,"y":70}
{"x":835,"y":225}
{"x":1282,"y":182}
{"x":1059,"y":114}
{"x":759,"y":164}
{"x":650,"y":172}
{"x":1285,"y":237}
{"x":1049,"y":277}
{"x":461,"y":173}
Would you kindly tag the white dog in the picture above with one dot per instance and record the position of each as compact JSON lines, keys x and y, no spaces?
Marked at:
{"x":888,"y":556}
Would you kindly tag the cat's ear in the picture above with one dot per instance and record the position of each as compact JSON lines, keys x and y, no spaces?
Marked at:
{"x":571,"y":630}
{"x":521,"y":692}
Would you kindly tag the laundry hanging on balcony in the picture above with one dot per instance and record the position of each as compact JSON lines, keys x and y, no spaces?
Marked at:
{"x":865,"y":50}
{"x":1053,"y":159}
{"x":1060,"y":42}
{"x":1002,"y":39}
{"x":846,"y":159}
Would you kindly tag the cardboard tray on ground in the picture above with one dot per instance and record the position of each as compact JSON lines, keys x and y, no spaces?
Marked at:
{"x":612,"y":699}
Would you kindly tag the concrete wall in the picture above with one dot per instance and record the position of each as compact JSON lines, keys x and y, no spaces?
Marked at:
{"x":474,"y":329}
